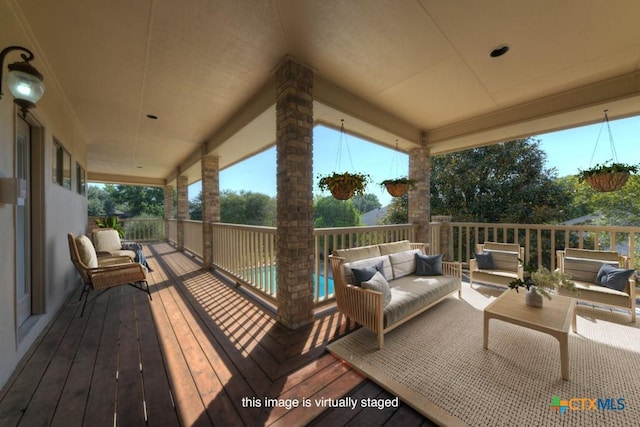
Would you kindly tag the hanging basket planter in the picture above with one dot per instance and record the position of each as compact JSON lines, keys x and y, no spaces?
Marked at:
{"x":343,"y":186}
{"x":605,"y":182}
{"x":607,"y":177}
{"x":610,"y":175}
{"x":342,"y":191}
{"x":397,"y":190}
{"x":398,"y":187}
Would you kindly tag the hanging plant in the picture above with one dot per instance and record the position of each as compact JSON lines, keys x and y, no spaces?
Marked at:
{"x":344,"y":185}
{"x":398,"y":187}
{"x":608,"y":176}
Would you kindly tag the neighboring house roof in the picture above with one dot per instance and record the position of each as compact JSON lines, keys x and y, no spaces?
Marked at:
{"x":373,"y":217}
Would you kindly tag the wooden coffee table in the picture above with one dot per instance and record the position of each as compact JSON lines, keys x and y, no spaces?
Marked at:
{"x":553,"y":318}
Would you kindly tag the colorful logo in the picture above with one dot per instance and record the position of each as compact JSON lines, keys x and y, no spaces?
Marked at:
{"x":586,"y":404}
{"x":559,"y":405}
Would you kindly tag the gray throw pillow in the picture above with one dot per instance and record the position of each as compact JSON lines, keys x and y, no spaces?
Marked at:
{"x":379,"y":284}
{"x":485,"y":261}
{"x":428,"y":265}
{"x":366,"y":273}
{"x":613,"y":278}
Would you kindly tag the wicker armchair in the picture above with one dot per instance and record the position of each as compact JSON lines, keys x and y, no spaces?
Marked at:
{"x":105,"y":272}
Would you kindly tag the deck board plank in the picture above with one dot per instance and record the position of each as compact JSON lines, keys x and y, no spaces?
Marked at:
{"x":101,"y":404}
{"x":129,"y":394}
{"x":73,"y":400}
{"x":157,"y":392}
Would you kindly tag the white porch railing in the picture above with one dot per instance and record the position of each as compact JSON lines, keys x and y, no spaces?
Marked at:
{"x":173,"y":230}
{"x":143,"y":229}
{"x":541,"y":241}
{"x":248,"y":253}
{"x":193,"y":237}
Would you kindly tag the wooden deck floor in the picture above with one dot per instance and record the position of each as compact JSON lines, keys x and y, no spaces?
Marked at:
{"x":201,"y":353}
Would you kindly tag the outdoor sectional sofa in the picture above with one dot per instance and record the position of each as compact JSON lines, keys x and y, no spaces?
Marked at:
{"x":410,"y":293}
{"x":584,"y":267}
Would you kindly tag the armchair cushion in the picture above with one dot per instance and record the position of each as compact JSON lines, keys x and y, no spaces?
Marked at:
{"x":106,"y":240}
{"x":613,"y":278}
{"x":87,"y":252}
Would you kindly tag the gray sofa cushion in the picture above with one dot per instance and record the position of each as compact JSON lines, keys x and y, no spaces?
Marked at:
{"x":379,"y":284}
{"x":394,"y":247}
{"x":403,"y":263}
{"x":356,"y":254}
{"x":411,"y":293}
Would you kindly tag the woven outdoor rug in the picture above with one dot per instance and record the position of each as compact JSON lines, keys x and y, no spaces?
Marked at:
{"x":436,"y":364}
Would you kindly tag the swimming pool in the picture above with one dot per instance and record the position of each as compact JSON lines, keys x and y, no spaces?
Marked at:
{"x":264,"y":278}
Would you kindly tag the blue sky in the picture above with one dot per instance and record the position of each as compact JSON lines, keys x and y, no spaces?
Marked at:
{"x":567,"y":151}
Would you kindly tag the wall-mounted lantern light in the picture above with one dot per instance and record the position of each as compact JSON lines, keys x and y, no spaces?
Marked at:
{"x":23,"y":80}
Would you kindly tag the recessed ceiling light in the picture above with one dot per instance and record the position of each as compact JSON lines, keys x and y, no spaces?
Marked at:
{"x":499,"y":50}
{"x":152,"y":116}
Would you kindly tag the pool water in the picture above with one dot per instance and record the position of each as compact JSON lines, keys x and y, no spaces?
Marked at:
{"x":267,"y":270}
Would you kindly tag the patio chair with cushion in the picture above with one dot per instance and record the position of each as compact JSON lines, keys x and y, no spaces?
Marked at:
{"x":107,"y":243}
{"x":105,"y":272}
{"x":496,"y":263}
{"x":601,"y":277}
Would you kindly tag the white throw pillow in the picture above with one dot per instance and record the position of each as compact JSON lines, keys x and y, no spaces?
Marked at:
{"x":379,"y":284}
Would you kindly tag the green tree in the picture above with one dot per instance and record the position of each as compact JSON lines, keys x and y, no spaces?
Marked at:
{"x":99,"y":202}
{"x":621,"y":207}
{"x":365,"y":203}
{"x":397,"y":211}
{"x":247,"y":208}
{"x":136,"y":200}
{"x":195,"y":208}
{"x":329,"y":212}
{"x":505,"y":182}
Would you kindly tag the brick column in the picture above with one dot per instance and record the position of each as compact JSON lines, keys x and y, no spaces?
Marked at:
{"x":210,"y":203}
{"x":294,"y":239}
{"x":183,"y":208}
{"x":446,"y":242}
{"x":168,"y":209}
{"x":420,"y":197}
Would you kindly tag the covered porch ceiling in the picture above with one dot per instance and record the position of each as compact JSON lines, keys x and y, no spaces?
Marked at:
{"x":391,"y":69}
